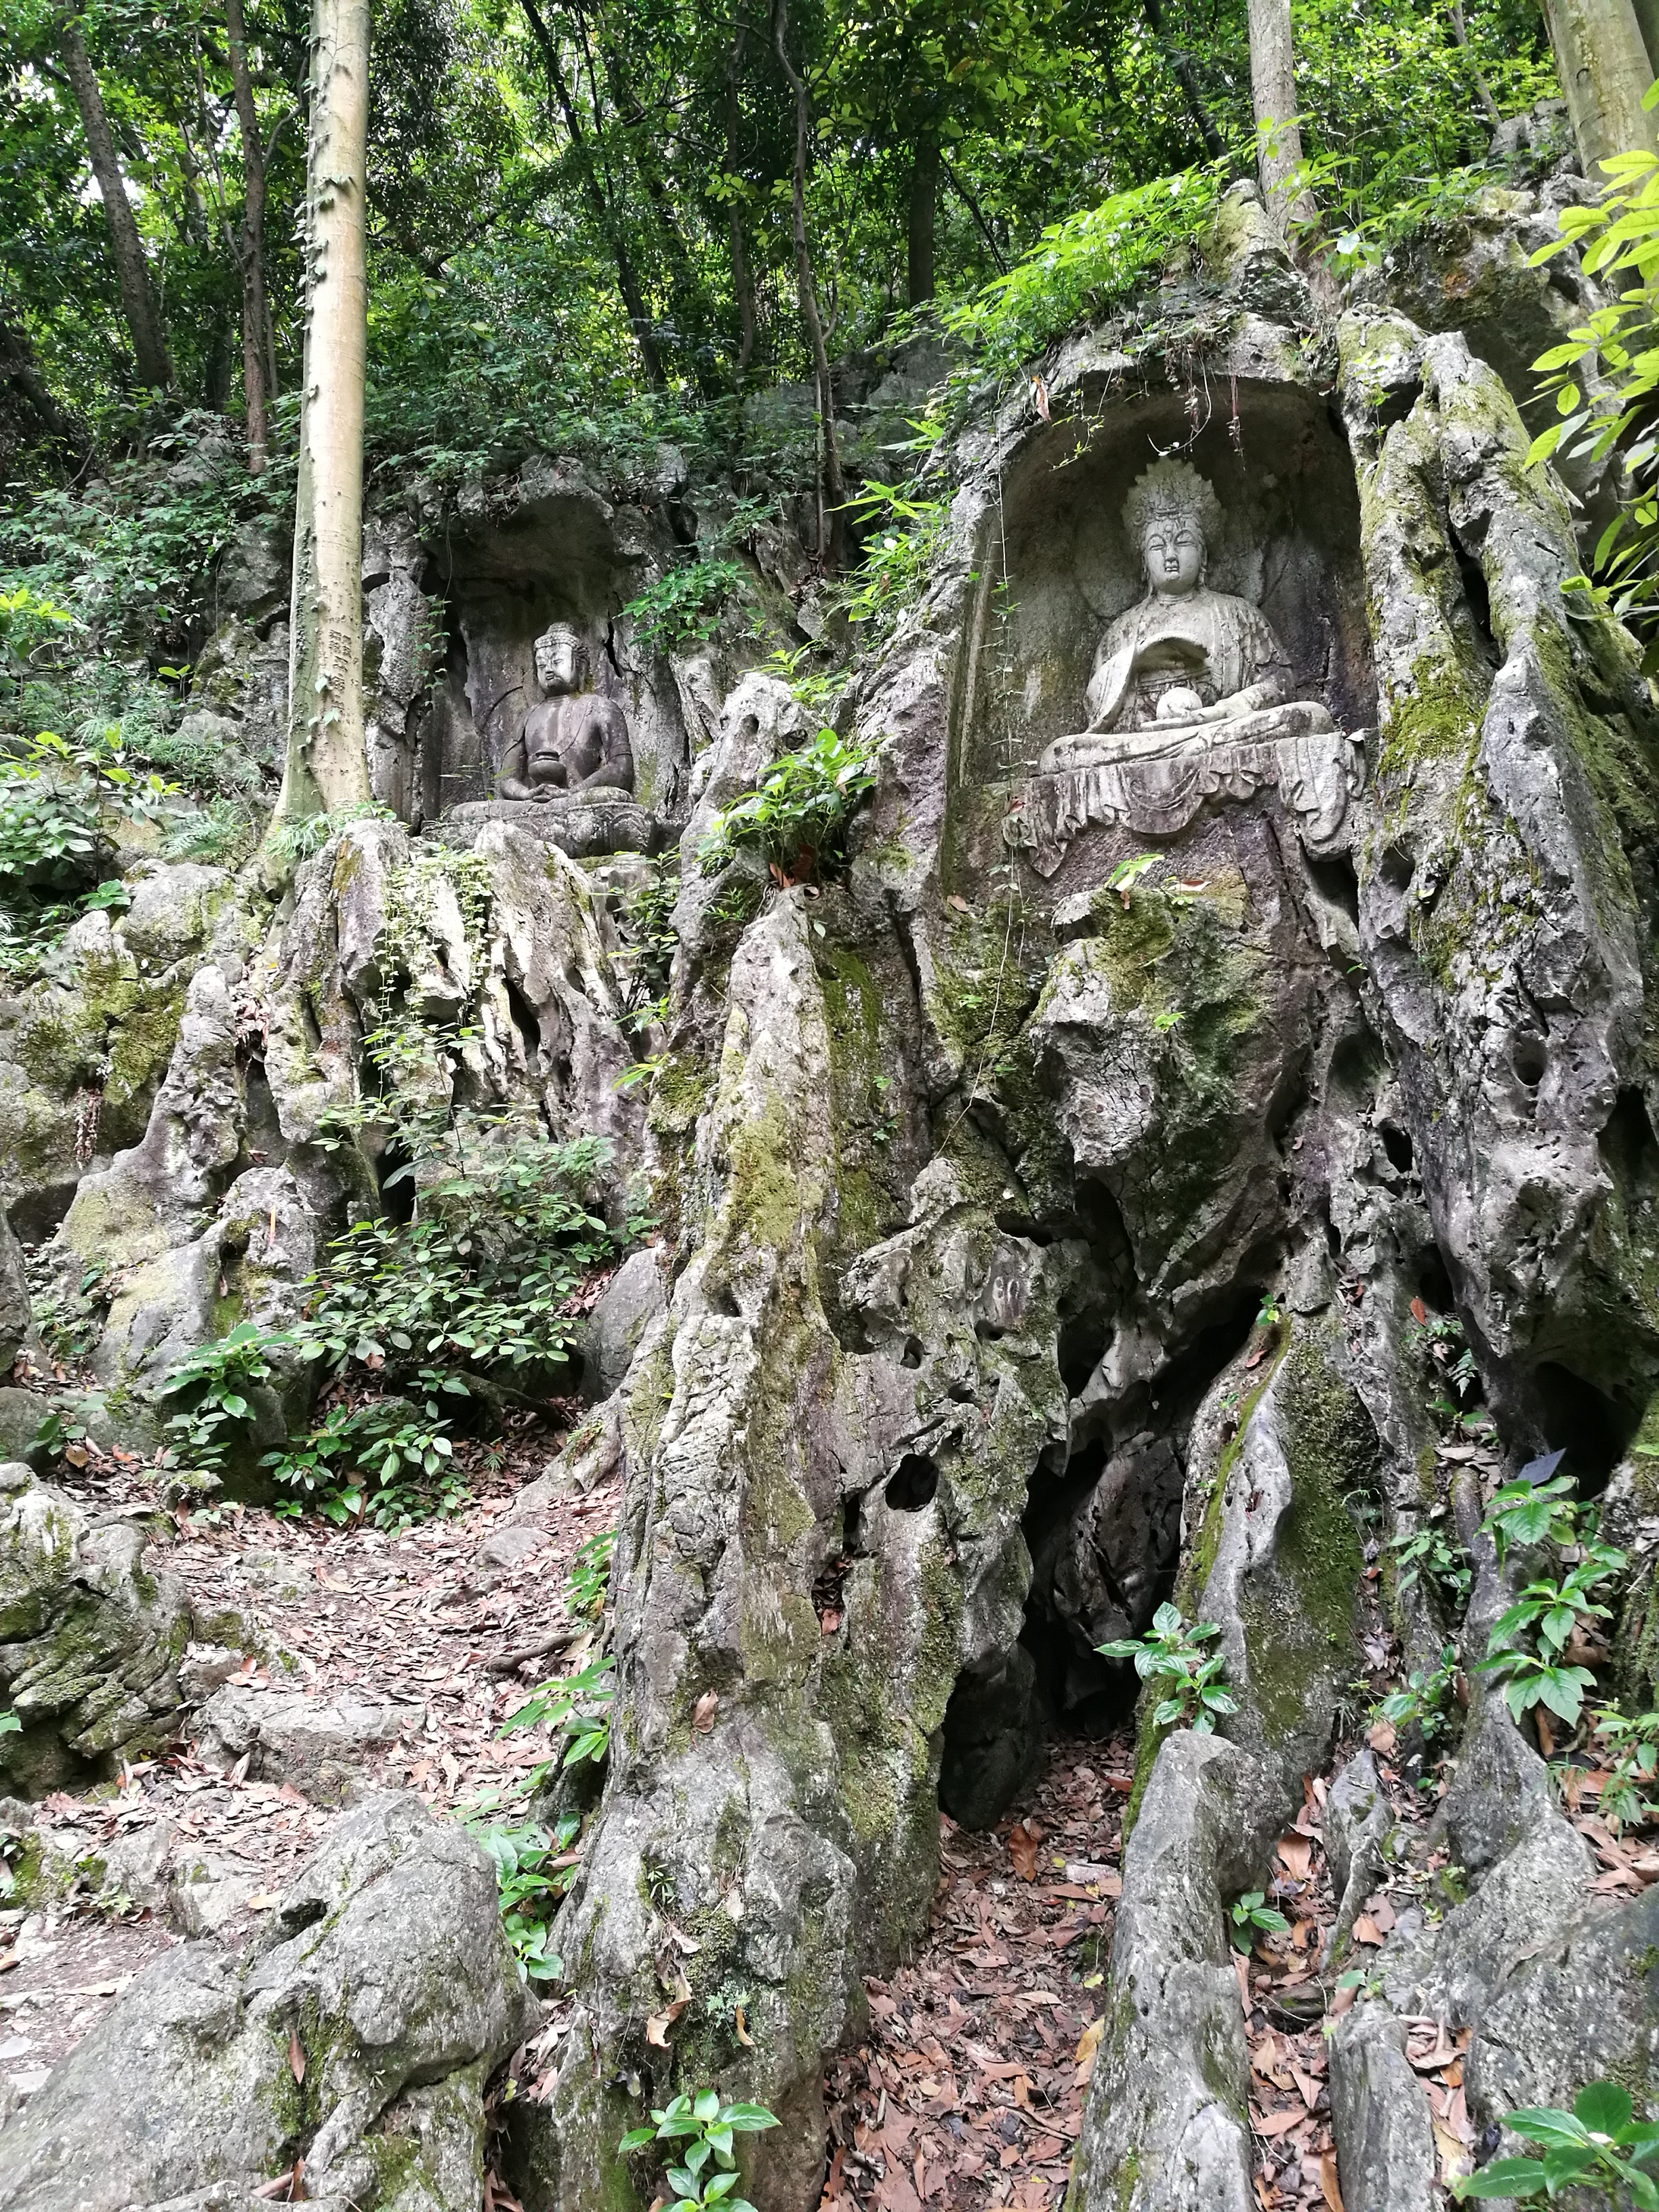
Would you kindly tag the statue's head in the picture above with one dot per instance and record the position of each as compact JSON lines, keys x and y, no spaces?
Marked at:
{"x":1172,"y":516}
{"x":561,"y":659}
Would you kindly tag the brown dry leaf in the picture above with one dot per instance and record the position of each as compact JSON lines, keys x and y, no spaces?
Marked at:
{"x":1266,"y":2195}
{"x":1381,"y":1914}
{"x":1342,"y":2001}
{"x":1296,"y":1857}
{"x":1241,"y":1969}
{"x":1453,"y":2159}
{"x":1365,"y":1930}
{"x":1419,"y":1312}
{"x":657,"y":2027}
{"x":1307,"y":2085}
{"x":1087,"y":2043}
{"x":1381,"y":1736}
{"x":703,"y":1712}
{"x":296,"y":2058}
{"x":1023,"y":1841}
{"x":1277,"y":2124}
{"x":743,"y":2036}
{"x":897,"y":2192}
{"x":1329,"y":2188}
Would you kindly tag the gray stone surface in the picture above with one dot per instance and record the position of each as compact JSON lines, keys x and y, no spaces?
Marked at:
{"x":89,"y":1639}
{"x":383,"y":1963}
{"x":636,"y":1295}
{"x":321,"y":1747}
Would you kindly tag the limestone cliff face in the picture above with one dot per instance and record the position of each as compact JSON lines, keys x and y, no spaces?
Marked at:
{"x":1040,"y":1240}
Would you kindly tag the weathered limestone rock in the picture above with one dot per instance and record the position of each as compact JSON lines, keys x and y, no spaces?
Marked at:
{"x":89,"y":1641}
{"x":16,"y":1323}
{"x":384,"y":1963}
{"x":1163,"y":2128}
{"x":636,"y":1295}
{"x":320,"y":1748}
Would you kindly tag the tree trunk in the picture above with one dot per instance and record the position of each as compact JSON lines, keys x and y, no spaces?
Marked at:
{"x":1180,"y":68}
{"x":18,"y":373}
{"x":1604,"y":69}
{"x":252,"y":251}
{"x":1494,"y":114}
{"x":743,"y":282}
{"x":1647,"y":22}
{"x":1272,"y":95}
{"x":127,"y":247}
{"x":609,"y":228}
{"x":326,"y":770}
{"x":831,"y":490}
{"x":924,"y":203}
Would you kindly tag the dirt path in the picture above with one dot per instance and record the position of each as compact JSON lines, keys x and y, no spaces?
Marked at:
{"x":969,"y":2091}
{"x":415,"y":1619}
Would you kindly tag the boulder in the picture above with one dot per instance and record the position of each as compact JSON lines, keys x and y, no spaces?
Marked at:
{"x":90,"y":1640}
{"x":321,"y":1748}
{"x":356,"y":2035}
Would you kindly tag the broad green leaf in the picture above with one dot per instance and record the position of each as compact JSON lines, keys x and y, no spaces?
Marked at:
{"x":1603,"y":2107}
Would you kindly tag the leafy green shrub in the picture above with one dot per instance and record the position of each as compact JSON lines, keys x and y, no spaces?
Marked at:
{"x":1597,"y":2144}
{"x":590,"y":1576}
{"x":480,"y":1278}
{"x":1527,"y":1648}
{"x":796,"y":820}
{"x":534,"y":1869}
{"x":1424,"y":1701}
{"x":1605,"y":383}
{"x":684,"y":604}
{"x":577,"y":1707}
{"x":387,"y":1461}
{"x":1431,"y":1553}
{"x":213,"y":1384}
{"x":899,"y":557}
{"x":1629,"y":1798}
{"x":1079,"y":268}
{"x":1188,"y":1682}
{"x":706,"y":2127}
{"x":1250,"y":1916}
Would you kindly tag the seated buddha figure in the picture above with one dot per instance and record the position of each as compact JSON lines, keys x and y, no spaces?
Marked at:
{"x":573,"y":749}
{"x":1186,"y":668}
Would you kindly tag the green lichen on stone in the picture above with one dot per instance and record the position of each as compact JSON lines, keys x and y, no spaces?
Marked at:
{"x":1299,"y":1618}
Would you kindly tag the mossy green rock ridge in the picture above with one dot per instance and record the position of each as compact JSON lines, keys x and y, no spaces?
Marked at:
{"x":383,"y":1963}
{"x":1507,"y":883}
{"x":90,"y":1641}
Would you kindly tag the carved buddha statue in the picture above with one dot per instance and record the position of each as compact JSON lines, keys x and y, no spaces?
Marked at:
{"x":1186,"y":665}
{"x":1187,"y":704}
{"x":573,"y":747}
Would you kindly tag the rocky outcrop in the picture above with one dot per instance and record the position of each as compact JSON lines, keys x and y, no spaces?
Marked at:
{"x":90,"y":1640}
{"x":351,"y":2045}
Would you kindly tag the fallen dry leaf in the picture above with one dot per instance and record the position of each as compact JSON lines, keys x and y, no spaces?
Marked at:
{"x":1023,"y":1841}
{"x":703,"y":1712}
{"x":657,"y":2027}
{"x":296,"y":2058}
{"x":1381,"y":1736}
{"x":1296,"y":1857}
{"x":1277,"y":2124}
{"x":1329,"y":2189}
{"x":1087,"y":2043}
{"x":1365,"y":1930}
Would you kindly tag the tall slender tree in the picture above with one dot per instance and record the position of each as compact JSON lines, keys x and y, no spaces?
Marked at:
{"x":149,"y":351}
{"x":832,"y":493}
{"x":326,"y":770}
{"x":1273,"y":96}
{"x":1604,"y":67}
{"x":257,"y":377}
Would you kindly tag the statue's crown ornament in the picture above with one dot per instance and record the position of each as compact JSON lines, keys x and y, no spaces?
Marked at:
{"x":1169,"y":492}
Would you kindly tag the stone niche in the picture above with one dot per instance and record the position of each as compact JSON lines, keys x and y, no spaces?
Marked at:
{"x":1057,"y":566}
{"x":553,"y":551}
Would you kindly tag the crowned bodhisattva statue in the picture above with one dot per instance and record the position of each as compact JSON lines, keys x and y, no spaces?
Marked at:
{"x":1186,"y":701}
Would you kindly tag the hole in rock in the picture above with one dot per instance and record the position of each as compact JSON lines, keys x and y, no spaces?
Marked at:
{"x":1023,"y":1224}
{"x":1357,"y":1065}
{"x":1081,"y":1344}
{"x":37,"y":1214}
{"x":1335,"y":881}
{"x":1397,"y":1145}
{"x":1434,"y":1284}
{"x":527,"y":1025}
{"x":1473,"y":577}
{"x":1628,"y":1146}
{"x":1397,"y":868}
{"x":911,"y":1356}
{"x":396,"y":1189}
{"x":913,"y":1484}
{"x":1528,"y":1058}
{"x":1593,"y":1429}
